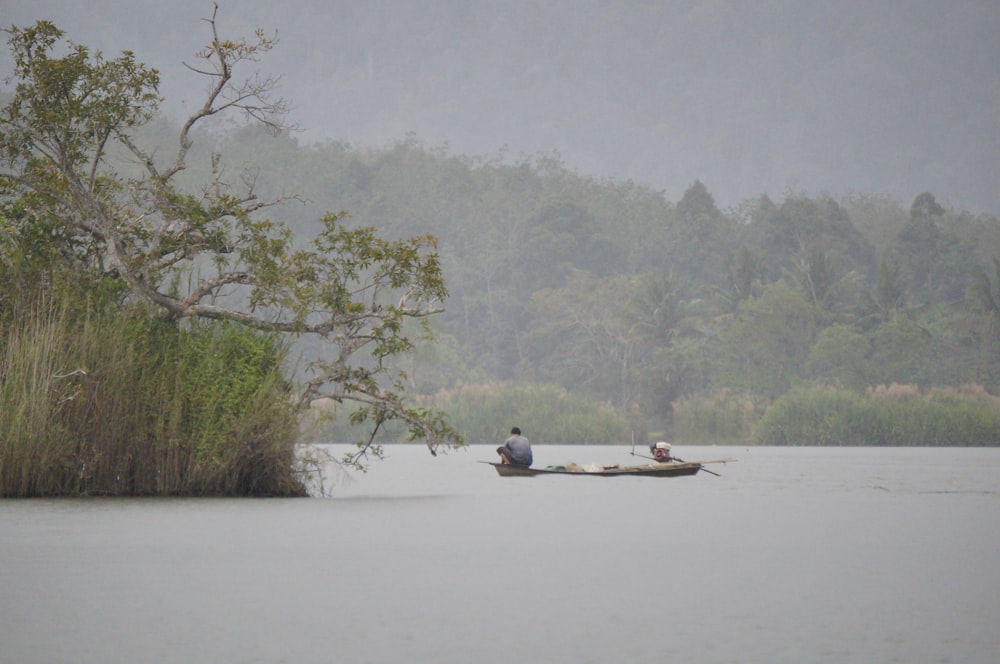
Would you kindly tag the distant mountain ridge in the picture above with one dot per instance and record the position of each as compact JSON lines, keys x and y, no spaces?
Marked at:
{"x":749,"y":98}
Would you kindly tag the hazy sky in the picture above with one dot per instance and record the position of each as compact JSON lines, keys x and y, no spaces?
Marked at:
{"x":869,"y":96}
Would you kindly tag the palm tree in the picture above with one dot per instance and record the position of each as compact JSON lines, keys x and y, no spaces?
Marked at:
{"x":981,"y":292}
{"x":889,"y":297}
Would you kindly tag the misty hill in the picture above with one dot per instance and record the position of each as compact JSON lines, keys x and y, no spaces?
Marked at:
{"x":893,"y":96}
{"x":615,"y":293}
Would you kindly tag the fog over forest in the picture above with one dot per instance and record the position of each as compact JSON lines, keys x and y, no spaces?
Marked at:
{"x":886,"y":96}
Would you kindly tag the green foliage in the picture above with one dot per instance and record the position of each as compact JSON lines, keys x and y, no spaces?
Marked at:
{"x":931,"y":253}
{"x":746,"y":275}
{"x":790,"y":232}
{"x":925,"y":207}
{"x":824,"y":284}
{"x":113,"y":402}
{"x":221,"y":370}
{"x":817,"y":416}
{"x":721,"y":419}
{"x":545,"y":413}
{"x":897,"y":415}
{"x":79,"y":99}
{"x":983,"y":292}
{"x":900,"y":353}
{"x":582,"y":338}
{"x":763,"y":349}
{"x":601,"y":334}
{"x":877,"y":217}
{"x":604,"y":288}
{"x":700,"y":237}
{"x":568,"y":323}
{"x":887,"y":299}
{"x":840,"y":357}
{"x":84,"y":198}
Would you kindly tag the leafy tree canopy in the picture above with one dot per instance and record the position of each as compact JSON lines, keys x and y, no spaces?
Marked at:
{"x":205,"y":251}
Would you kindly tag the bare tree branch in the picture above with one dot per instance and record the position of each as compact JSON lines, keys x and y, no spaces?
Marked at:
{"x":349,"y":287}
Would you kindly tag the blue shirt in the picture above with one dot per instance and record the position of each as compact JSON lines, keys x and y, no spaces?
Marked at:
{"x":520,"y":450}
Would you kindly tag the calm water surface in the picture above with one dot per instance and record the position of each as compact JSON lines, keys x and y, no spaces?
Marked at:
{"x":793,"y":555}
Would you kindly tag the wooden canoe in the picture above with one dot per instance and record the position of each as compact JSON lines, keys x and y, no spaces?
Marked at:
{"x":669,"y":469}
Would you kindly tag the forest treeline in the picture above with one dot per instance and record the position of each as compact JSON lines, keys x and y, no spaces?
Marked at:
{"x":613,"y":293}
{"x":169,"y":323}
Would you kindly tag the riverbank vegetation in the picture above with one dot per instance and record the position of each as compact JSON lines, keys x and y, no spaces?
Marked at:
{"x":890,"y":416}
{"x":689,"y":320}
{"x":485,"y":413}
{"x":146,"y":315}
{"x":459,"y":296}
{"x":104,"y":400}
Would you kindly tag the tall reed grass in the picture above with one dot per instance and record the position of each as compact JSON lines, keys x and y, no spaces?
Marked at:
{"x":485,"y":413}
{"x":719,"y":419}
{"x":111,"y":401}
{"x":894,"y":415}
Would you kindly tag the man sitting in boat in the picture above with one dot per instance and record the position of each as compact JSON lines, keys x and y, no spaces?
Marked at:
{"x":516,"y":450}
{"x":661,"y":452}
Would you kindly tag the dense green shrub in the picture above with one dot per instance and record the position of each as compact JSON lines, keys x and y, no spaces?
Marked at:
{"x":546,"y":414}
{"x":821,"y":416}
{"x":485,"y":413}
{"x":898,"y":415}
{"x":116,"y":402}
{"x":723,"y":418}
